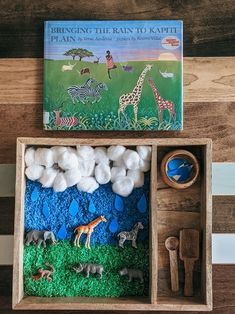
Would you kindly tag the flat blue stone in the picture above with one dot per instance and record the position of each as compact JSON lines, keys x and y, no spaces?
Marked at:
{"x":45,"y":209}
{"x":73,"y":208}
{"x":142,"y":204}
{"x":175,"y":163}
{"x":113,"y":227}
{"x":62,"y":233}
{"x":35,"y":194}
{"x":91,"y":207}
{"x":118,"y":203}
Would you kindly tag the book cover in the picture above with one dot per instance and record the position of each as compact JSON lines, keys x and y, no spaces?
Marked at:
{"x":113,"y":75}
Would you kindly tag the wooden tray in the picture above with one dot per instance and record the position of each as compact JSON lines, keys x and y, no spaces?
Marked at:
{"x":170,"y":211}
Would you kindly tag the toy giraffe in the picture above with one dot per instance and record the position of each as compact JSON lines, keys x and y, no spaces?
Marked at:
{"x":162,"y":103}
{"x":133,"y":98}
{"x":87,"y":229}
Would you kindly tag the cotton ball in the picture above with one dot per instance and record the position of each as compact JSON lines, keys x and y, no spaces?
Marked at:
{"x":101,"y":155}
{"x":44,"y":157}
{"x":137,"y":176}
{"x":29,"y":156}
{"x":123,"y":186}
{"x":57,"y":151}
{"x":102,"y":173}
{"x":48,"y":177}
{"x":67,"y":160}
{"x":34,"y":172}
{"x":131,"y":159}
{"x":115,"y":152}
{"x":85,"y":152}
{"x":87,"y":184}
{"x":144,"y":165}
{"x":117,"y":172}
{"x":60,"y":183}
{"x":119,"y":163}
{"x":72,"y":176}
{"x":144,"y":152}
{"x":87,"y":167}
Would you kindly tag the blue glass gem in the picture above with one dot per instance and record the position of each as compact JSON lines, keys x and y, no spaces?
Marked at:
{"x":142,"y":204}
{"x":118,"y":203}
{"x":34,"y":194}
{"x":62,"y":233}
{"x":45,"y":209}
{"x":179,"y":169}
{"x":113,"y":227}
{"x":91,"y":207}
{"x":73,"y":208}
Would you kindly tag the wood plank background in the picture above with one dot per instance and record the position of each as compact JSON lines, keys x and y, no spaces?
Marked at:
{"x":209,"y":84}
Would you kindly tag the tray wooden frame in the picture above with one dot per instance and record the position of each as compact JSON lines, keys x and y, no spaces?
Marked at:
{"x":153,"y":302}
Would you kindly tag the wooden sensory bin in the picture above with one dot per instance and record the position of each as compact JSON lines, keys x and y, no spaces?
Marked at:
{"x":170,"y":211}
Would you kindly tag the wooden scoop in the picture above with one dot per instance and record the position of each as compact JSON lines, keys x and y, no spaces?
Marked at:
{"x":172,"y":244}
{"x":189,"y":253}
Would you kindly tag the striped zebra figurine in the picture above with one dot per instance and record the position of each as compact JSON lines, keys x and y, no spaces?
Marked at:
{"x":80,"y":93}
{"x":130,"y":235}
{"x":65,"y":121}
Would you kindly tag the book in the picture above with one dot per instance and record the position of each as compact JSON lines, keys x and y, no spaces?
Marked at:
{"x":113,"y":75}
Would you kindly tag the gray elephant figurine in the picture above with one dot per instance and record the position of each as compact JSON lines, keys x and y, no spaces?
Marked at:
{"x":132,"y":273}
{"x":40,"y":236}
{"x":88,"y":268}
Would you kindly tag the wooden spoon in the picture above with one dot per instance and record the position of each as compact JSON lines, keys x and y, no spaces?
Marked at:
{"x":189,"y":253}
{"x":172,"y":244}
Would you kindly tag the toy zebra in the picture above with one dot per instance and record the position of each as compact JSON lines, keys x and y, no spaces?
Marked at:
{"x":80,"y":92}
{"x":65,"y":121}
{"x":95,"y":92}
{"x":130,"y":235}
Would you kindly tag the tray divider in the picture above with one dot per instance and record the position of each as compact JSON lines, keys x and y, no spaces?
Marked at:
{"x":153,"y":243}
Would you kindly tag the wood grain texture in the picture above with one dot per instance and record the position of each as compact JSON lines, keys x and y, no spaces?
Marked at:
{"x":205,"y":80}
{"x":215,"y":120}
{"x":208,"y":28}
{"x":223,"y":296}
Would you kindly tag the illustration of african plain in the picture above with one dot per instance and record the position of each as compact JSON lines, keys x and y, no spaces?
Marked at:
{"x":97,"y":81}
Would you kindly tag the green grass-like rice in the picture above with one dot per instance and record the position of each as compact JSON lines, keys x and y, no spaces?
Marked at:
{"x":63,"y":256}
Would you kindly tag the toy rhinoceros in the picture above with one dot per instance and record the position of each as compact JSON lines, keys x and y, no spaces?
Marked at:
{"x":88,"y":268}
{"x":132,"y":274}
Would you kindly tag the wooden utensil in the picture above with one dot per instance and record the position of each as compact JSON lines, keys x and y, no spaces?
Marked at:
{"x":189,"y":253}
{"x":172,"y":244}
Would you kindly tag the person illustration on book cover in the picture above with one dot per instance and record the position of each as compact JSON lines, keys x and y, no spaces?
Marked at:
{"x":109,"y":63}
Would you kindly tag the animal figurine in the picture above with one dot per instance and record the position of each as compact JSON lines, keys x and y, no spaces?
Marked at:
{"x":87,"y":229}
{"x":127,"y":68}
{"x":40,"y":237}
{"x":44,"y":273}
{"x":65,"y":121}
{"x":166,"y":74}
{"x":81,"y":92}
{"x":133,"y":98}
{"x":132,"y":274}
{"x":130,"y":235}
{"x":85,"y":71}
{"x":88,"y":268}
{"x":68,"y":67}
{"x":97,"y":61}
{"x":162,"y":103}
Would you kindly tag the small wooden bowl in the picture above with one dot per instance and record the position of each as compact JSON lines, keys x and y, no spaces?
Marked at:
{"x":184,"y":154}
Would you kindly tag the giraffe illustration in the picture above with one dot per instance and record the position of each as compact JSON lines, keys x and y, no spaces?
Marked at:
{"x":87,"y":229}
{"x":162,"y":103}
{"x":133,"y":98}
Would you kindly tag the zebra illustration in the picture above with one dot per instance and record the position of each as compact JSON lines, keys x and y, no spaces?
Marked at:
{"x":80,"y":93}
{"x":95,"y":92}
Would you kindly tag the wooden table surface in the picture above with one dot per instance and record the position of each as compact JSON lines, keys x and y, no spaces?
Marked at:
{"x":209,"y":84}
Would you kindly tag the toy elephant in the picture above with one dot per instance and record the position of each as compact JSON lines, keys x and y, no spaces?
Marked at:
{"x":132,"y":273}
{"x":88,"y":268}
{"x":39,"y":237}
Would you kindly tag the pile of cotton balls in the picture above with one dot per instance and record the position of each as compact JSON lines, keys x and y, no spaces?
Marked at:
{"x":60,"y":167}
